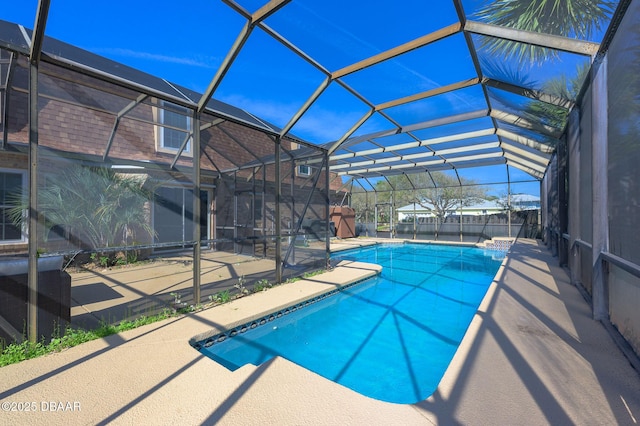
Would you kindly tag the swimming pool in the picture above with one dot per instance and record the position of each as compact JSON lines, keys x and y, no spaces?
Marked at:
{"x":390,"y":337}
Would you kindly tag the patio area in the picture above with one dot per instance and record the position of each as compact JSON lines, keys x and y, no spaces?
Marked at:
{"x":108,"y":295}
{"x":532,"y":355}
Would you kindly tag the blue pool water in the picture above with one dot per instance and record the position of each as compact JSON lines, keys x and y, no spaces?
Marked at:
{"x":390,"y":337}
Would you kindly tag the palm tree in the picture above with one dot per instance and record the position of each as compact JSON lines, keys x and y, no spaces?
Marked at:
{"x":568,"y":18}
{"x":562,"y":87}
{"x":97,"y":207}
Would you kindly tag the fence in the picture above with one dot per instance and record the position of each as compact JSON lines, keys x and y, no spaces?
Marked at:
{"x":472,"y":229}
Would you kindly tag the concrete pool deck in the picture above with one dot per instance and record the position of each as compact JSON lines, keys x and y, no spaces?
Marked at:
{"x":532,"y":355}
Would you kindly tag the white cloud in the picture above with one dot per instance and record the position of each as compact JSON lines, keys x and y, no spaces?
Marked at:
{"x":209,"y":63}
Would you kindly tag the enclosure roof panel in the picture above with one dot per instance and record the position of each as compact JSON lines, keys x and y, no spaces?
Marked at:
{"x":17,"y":38}
{"x":12,"y":38}
{"x":383,"y":88}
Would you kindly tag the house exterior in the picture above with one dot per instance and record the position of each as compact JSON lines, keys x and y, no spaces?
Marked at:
{"x":95,"y":112}
{"x":525,"y":202}
{"x":519,"y":202}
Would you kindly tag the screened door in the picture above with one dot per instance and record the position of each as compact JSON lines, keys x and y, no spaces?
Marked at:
{"x":173,"y":216}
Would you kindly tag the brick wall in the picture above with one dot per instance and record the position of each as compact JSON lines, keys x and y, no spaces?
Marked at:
{"x":77,"y":114}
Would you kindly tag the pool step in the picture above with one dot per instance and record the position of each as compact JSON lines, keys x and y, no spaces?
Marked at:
{"x":499,"y":243}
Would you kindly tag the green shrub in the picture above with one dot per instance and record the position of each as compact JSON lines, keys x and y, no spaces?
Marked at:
{"x":224,"y":296}
{"x":16,"y":352}
{"x":262,"y":285}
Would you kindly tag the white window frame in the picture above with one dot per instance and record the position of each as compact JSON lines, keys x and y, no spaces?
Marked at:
{"x":307,"y":173}
{"x":25,"y":183}
{"x":161,"y":129}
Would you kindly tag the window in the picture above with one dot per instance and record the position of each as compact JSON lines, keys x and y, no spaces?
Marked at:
{"x":173,"y":118}
{"x":304,"y":170}
{"x":11,"y":183}
{"x":173,"y":218}
{"x":5,"y":62}
{"x":257,"y":209}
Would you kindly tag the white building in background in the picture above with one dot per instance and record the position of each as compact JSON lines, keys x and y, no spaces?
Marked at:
{"x":483,"y":208}
{"x":525,"y":202}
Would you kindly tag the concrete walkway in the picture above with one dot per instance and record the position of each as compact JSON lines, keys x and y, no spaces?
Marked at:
{"x":532,"y":355}
{"x":109,"y":295}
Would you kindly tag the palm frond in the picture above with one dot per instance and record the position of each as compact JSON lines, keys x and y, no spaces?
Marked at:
{"x":569,"y":18}
{"x":95,"y":205}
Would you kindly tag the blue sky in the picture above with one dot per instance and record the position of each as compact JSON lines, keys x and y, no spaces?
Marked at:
{"x":186,"y":43}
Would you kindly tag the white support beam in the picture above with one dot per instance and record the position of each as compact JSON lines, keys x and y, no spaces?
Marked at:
{"x":418,"y":156}
{"x":468,"y":148}
{"x":418,"y":126}
{"x":491,"y":161}
{"x":467,"y":116}
{"x":528,"y":170}
{"x":426,"y":154}
{"x":525,"y":162}
{"x":387,"y":168}
{"x":473,"y":157}
{"x":521,"y":151}
{"x":422,"y":164}
{"x":524,"y":123}
{"x":522,"y":140}
{"x":425,"y":142}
